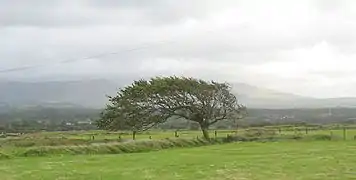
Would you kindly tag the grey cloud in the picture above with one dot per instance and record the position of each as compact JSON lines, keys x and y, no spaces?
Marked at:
{"x":168,"y":11}
{"x":68,"y":13}
{"x":332,"y":5}
{"x":64,"y":13}
{"x":203,"y":38}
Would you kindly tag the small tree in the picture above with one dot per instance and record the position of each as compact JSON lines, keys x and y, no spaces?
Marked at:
{"x":146,"y":103}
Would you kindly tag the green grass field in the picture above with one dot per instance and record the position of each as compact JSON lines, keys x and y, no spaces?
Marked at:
{"x":249,"y":160}
{"x":290,"y":159}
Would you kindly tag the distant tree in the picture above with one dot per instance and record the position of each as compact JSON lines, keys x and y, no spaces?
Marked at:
{"x":147,"y":103}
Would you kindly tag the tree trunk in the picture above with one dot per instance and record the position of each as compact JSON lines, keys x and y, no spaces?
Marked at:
{"x":205,"y":130}
{"x":134,"y":135}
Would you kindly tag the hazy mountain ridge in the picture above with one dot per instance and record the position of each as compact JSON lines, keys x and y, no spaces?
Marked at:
{"x":265,"y":98}
{"x":92,"y":93}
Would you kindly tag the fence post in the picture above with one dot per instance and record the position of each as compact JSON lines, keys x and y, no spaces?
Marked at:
{"x":134,"y":135}
{"x":344,"y":130}
{"x":306,"y":130}
{"x":216,"y":134}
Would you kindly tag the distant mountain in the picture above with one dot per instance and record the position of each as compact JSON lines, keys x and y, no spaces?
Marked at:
{"x":256,"y":97}
{"x":92,"y":93}
{"x":335,"y":102}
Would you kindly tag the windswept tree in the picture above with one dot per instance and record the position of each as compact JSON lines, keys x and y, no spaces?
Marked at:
{"x":147,"y":103}
{"x":122,"y":113}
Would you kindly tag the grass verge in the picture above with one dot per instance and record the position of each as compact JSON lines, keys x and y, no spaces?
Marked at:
{"x":117,"y":148}
{"x":150,"y":145}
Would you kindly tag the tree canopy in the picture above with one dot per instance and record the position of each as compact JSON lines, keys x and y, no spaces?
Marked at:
{"x":146,"y":103}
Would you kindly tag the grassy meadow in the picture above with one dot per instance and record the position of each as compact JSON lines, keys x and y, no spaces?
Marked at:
{"x":247,"y":160}
{"x":183,"y":157}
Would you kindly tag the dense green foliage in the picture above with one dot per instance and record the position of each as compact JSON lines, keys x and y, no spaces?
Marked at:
{"x":147,"y":103}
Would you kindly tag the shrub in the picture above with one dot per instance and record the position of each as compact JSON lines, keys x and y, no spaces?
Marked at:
{"x":117,"y":148}
{"x":139,"y":146}
{"x":31,"y":142}
{"x":257,"y":132}
{"x":24,"y":143}
{"x":260,"y":138}
{"x":320,"y":137}
{"x":230,"y":138}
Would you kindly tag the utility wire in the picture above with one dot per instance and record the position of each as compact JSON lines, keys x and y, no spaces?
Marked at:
{"x":23,"y":68}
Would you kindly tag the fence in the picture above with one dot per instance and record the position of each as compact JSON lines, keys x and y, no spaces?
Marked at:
{"x":344,"y":132}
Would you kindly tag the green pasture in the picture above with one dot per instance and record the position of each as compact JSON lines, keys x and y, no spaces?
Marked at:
{"x":248,"y":160}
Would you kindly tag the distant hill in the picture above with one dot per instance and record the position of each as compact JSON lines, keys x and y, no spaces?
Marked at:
{"x":265,"y":98}
{"x":92,"y":93}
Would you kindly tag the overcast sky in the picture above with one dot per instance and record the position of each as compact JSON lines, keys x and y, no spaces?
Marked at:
{"x":306,"y":47}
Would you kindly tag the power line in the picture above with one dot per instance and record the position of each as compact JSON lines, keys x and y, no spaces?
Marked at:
{"x":118,"y":52}
{"x":148,"y":45}
{"x":24,"y":68}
